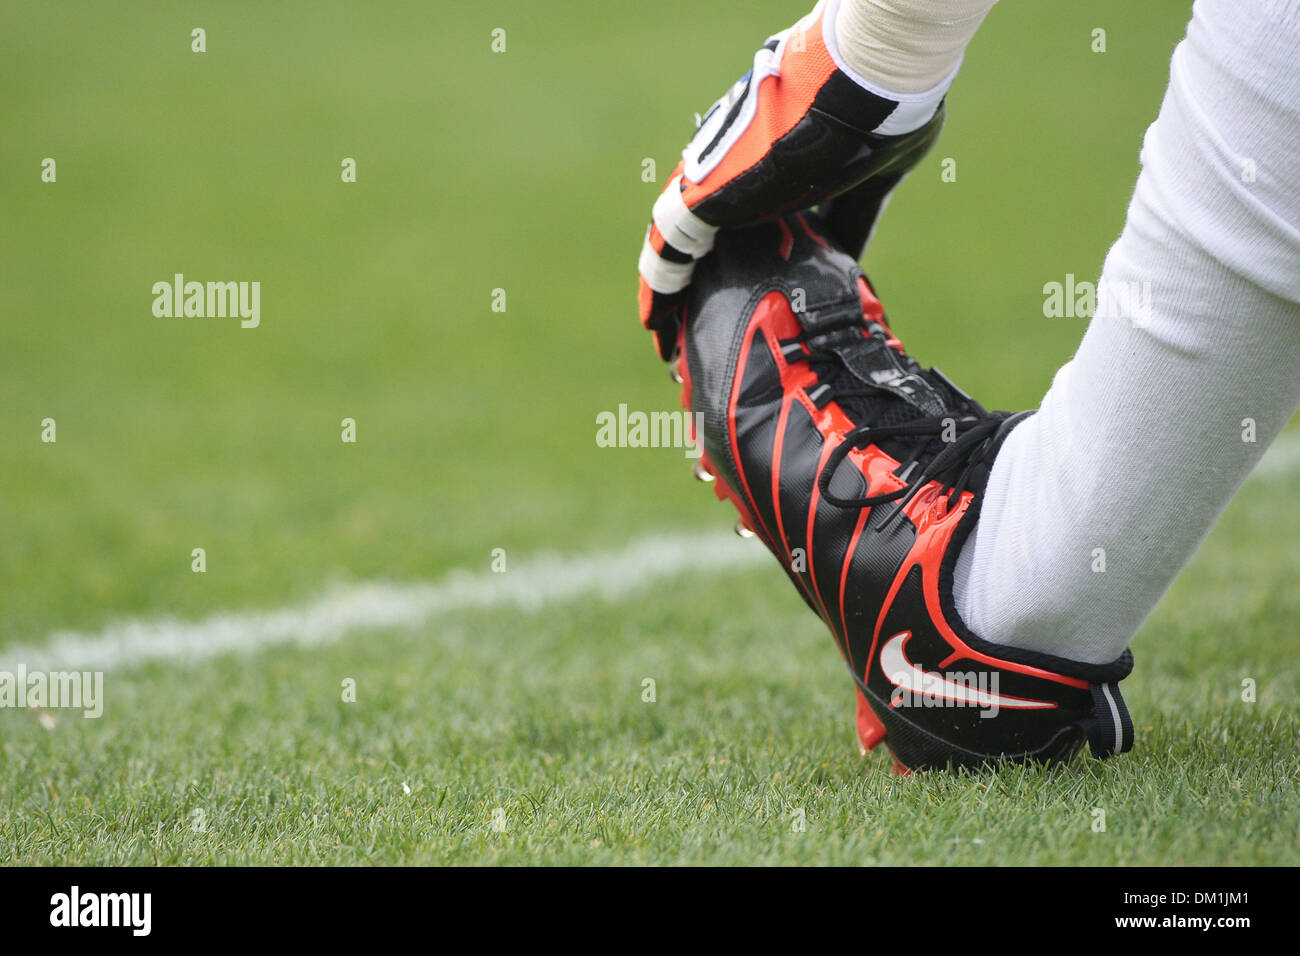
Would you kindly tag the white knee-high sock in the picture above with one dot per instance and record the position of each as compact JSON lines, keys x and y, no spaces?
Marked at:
{"x":1147,"y":433}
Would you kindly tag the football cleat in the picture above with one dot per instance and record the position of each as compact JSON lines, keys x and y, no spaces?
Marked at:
{"x":863,"y":473}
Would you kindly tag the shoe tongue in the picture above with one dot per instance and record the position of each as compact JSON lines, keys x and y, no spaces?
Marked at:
{"x":837,"y":327}
{"x":872,"y":361}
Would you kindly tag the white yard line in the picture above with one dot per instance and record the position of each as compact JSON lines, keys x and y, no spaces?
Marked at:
{"x":528,"y":584}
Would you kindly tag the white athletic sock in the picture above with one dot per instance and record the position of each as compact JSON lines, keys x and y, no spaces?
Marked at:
{"x":1145,"y":435}
{"x":905,"y":46}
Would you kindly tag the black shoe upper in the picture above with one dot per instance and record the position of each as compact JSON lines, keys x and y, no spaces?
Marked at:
{"x":863,"y":473}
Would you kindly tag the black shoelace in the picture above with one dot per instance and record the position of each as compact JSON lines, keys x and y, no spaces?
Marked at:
{"x":958,"y":457}
{"x":966,"y":437}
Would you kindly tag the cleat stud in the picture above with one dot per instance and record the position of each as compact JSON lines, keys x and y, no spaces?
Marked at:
{"x":742,"y":529}
{"x":675,"y":373}
{"x":702,"y":474}
{"x":870,"y":730}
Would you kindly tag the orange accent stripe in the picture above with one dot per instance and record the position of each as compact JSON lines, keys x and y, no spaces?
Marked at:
{"x":787,"y":240}
{"x":815,"y":237}
{"x":932,"y":536}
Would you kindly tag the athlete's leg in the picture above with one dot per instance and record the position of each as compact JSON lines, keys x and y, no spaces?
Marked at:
{"x":1146,"y":434}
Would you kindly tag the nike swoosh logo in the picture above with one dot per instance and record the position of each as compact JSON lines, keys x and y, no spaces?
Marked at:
{"x":903,"y":673}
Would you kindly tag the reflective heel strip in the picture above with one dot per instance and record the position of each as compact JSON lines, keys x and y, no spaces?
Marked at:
{"x":1109,"y":729}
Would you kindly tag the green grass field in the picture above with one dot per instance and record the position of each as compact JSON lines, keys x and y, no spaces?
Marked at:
{"x":511,"y":732}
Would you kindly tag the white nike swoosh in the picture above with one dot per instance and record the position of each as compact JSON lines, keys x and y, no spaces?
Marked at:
{"x":903,"y":673}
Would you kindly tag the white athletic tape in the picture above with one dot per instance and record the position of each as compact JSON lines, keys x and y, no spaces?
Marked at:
{"x":662,"y":275}
{"x":680,"y":227}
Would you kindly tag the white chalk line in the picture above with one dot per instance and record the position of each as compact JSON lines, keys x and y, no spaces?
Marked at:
{"x":539,"y":581}
{"x":528,"y":585}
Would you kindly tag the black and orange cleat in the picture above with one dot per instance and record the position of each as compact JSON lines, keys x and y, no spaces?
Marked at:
{"x":862,"y":472}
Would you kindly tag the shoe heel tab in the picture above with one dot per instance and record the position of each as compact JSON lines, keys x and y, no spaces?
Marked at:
{"x":1110,"y":728}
